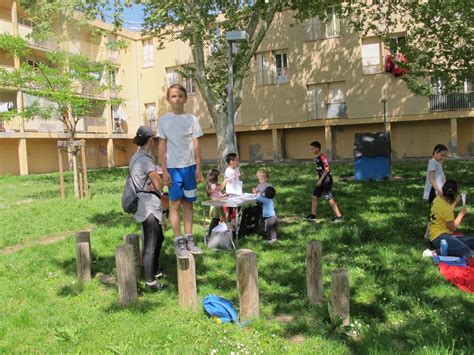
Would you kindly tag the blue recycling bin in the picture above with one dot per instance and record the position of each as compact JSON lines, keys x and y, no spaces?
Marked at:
{"x":372,"y":156}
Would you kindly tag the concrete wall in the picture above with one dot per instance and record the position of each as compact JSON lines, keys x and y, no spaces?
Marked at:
{"x":9,"y":161}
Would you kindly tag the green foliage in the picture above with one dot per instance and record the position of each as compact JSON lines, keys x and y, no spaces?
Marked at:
{"x":399,"y":302}
{"x":13,"y":45}
{"x":439,"y":38}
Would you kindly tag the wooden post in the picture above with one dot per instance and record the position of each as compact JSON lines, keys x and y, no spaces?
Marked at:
{"x":247,"y":284}
{"x":83,"y":262}
{"x":187,"y":282}
{"x":340,"y":295}
{"x":127,"y":283}
{"x":314,"y":272}
{"x":134,"y":241}
{"x":75,"y":173}
{"x":84,"y":237}
{"x":84,"y":168}
{"x":61,"y":173}
{"x":79,"y":173}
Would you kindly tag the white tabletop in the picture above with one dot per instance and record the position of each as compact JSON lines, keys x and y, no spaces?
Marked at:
{"x":231,"y":201}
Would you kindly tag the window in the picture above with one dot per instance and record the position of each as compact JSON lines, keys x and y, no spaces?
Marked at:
{"x":271,"y":68}
{"x":440,"y":100}
{"x":316,"y":101}
{"x":281,"y":64}
{"x":336,"y":105}
{"x":174,"y":77}
{"x":333,"y":23}
{"x":148,"y":53}
{"x":316,"y":29}
{"x":371,"y":58}
{"x":25,"y":22}
{"x":113,"y":52}
{"x":327,"y":100}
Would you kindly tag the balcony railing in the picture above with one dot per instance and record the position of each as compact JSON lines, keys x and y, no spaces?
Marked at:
{"x":41,"y":125}
{"x":330,"y":110}
{"x":452,"y":102}
{"x":85,"y":48}
{"x":95,"y":124}
{"x":48,"y":44}
{"x":372,"y":65}
{"x":6,"y":27}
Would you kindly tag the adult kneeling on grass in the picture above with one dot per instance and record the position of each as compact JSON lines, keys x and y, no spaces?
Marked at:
{"x":442,"y":222}
{"x":150,"y":209}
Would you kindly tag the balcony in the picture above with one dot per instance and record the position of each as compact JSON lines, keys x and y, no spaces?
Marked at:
{"x":372,"y":65}
{"x":84,"y":48}
{"x":459,"y":101}
{"x":42,"y":125}
{"x":95,"y":124}
{"x":329,"y":110}
{"x":6,"y":27}
{"x":48,"y":44}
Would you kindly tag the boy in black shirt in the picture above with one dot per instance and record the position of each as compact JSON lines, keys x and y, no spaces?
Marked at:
{"x":323,"y":185}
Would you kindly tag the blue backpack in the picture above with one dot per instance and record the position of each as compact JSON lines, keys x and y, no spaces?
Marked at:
{"x":220,"y":308}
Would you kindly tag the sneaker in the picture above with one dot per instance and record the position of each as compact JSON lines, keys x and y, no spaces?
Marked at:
{"x":310,"y":217}
{"x":337,"y":219}
{"x":160,"y":273}
{"x":271,"y":241}
{"x":181,"y":251}
{"x":191,"y":245}
{"x":154,"y":286}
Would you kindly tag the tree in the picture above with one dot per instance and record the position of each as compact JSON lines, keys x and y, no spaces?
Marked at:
{"x":439,"y":38}
{"x":62,"y":85}
{"x":202,"y":24}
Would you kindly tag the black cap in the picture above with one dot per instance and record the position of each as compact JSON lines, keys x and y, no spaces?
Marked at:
{"x":144,"y":132}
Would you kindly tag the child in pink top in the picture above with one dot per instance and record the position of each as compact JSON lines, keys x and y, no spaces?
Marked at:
{"x":214,"y":191}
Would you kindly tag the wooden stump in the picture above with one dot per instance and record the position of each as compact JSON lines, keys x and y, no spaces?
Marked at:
{"x":84,"y":237}
{"x":340,"y":295}
{"x":187,"y":282}
{"x":247,"y":284}
{"x":127,"y":282}
{"x":83,"y":262}
{"x":314,"y":272}
{"x":134,"y":241}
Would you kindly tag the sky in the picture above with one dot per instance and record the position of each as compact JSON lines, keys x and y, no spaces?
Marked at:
{"x":133,"y":17}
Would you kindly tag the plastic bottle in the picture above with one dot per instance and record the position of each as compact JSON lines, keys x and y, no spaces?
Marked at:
{"x":444,"y":247}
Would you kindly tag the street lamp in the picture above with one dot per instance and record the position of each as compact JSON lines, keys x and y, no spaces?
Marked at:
{"x":385,"y":123}
{"x":231,"y":37}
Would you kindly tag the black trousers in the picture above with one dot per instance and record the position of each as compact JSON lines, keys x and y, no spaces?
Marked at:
{"x":153,"y":240}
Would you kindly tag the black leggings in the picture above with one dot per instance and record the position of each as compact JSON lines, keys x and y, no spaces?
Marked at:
{"x":153,"y":240}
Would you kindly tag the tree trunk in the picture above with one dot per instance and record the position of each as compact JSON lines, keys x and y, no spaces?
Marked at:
{"x":226,"y":138}
{"x":75,"y":173}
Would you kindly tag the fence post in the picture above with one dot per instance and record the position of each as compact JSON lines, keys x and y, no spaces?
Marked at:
{"x":314,"y":272}
{"x":83,"y":262}
{"x":127,"y":282}
{"x":247,"y":284}
{"x":187,"y":282}
{"x":340,"y":295}
{"x":134,"y":241}
{"x":84,"y":237}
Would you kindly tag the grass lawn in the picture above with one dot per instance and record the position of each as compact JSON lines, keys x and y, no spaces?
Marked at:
{"x":399,"y":301}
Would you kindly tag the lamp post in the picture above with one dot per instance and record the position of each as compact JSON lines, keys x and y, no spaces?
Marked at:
{"x":231,"y":37}
{"x":385,"y":123}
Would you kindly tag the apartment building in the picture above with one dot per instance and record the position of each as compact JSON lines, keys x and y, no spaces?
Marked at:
{"x":312,"y":80}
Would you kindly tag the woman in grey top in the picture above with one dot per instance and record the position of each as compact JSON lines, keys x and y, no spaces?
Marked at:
{"x":150,"y":211}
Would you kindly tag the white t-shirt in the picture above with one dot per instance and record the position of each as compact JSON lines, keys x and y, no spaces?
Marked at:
{"x":434,"y":165}
{"x":234,"y":179}
{"x":179,"y":131}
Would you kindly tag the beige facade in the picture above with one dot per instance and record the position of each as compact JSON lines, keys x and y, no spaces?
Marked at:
{"x":308,"y":81}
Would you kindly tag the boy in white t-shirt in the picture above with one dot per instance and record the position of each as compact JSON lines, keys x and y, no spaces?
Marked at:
{"x":180,"y":158}
{"x":232,"y":172}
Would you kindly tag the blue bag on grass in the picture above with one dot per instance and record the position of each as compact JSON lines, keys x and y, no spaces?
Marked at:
{"x":220,"y":308}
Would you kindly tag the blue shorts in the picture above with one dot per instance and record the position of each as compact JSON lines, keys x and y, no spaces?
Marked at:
{"x":183,"y":183}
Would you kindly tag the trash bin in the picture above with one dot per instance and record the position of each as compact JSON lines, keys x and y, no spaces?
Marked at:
{"x":372,"y":156}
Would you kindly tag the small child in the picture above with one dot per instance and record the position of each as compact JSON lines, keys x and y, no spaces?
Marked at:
{"x":262,"y":176}
{"x":214,"y":192}
{"x":232,"y":172}
{"x":323,"y":185}
{"x":271,"y":221}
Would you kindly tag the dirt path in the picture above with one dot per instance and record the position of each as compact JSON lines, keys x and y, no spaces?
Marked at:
{"x":52,"y":238}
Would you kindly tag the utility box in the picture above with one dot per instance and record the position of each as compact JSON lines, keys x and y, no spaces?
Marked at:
{"x":372,"y":156}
